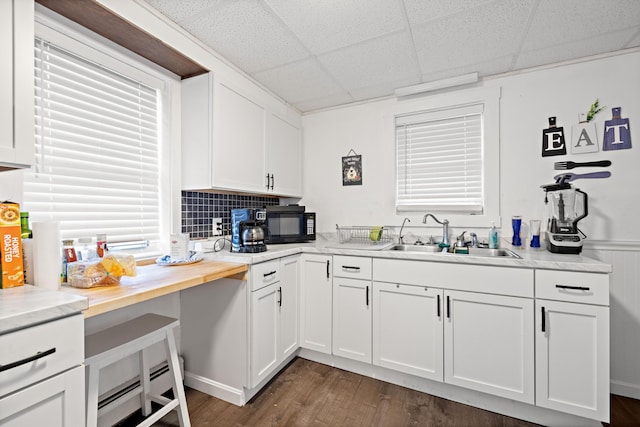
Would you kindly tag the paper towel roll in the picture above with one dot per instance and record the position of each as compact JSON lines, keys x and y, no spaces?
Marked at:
{"x":47,"y":261}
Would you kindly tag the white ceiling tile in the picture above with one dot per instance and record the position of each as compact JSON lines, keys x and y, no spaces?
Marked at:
{"x":372,"y":63}
{"x":574,"y":49}
{"x":485,"y":68}
{"x":324,"y":102}
{"x":180,"y":10}
{"x":635,"y":42}
{"x":557,"y":22}
{"x":300,"y":81}
{"x":471,"y":37}
{"x":381,"y":89}
{"x":332,"y":24}
{"x":422,"y":11}
{"x":245,"y":33}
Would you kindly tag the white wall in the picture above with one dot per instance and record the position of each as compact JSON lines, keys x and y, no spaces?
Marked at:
{"x":527,"y":100}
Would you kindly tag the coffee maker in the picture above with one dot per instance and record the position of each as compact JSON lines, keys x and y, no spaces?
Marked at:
{"x":568,"y":206}
{"x":248,"y":230}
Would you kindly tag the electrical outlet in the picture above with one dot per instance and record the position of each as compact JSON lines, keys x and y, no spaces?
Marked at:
{"x":217,"y":226}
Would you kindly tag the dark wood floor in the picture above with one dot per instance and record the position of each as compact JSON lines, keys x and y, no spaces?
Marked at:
{"x":308,"y":393}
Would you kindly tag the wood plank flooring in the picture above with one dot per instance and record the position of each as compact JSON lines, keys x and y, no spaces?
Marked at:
{"x":307,"y":393}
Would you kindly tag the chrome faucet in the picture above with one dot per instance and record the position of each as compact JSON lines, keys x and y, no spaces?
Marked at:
{"x":445,"y":227}
{"x":400,"y":236}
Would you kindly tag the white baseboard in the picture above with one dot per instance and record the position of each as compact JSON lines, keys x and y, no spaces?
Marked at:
{"x":485,"y":401}
{"x":625,"y":389}
{"x":215,"y":389}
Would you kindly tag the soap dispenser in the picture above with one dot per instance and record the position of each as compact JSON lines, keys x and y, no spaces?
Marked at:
{"x":494,"y":238}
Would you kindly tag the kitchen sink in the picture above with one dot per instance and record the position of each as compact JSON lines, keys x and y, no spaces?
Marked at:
{"x":501,"y":252}
{"x":416,"y":248}
{"x":483,"y":252}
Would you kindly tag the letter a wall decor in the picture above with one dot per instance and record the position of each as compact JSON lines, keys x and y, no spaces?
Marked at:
{"x":584,"y":138}
{"x":617,"y":132}
{"x":553,"y":140}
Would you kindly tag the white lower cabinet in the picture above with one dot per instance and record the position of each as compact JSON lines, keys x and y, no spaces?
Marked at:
{"x":316,"y":302}
{"x":42,"y":377}
{"x":572,"y":343}
{"x":264,"y":332}
{"x":54,"y":402}
{"x":489,"y":344}
{"x":407,"y":329}
{"x":274,"y":315}
{"x":352,"y":318}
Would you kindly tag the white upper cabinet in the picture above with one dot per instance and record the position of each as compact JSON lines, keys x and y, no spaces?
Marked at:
{"x":16,"y":84}
{"x":284,"y":165}
{"x":234,"y":142}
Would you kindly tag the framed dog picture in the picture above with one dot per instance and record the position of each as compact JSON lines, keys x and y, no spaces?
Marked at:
{"x":352,"y":170}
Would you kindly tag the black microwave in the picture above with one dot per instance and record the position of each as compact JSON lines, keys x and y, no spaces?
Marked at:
{"x":289,"y":224}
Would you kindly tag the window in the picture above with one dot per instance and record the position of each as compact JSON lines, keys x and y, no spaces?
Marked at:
{"x":98,"y":145}
{"x":439,"y":160}
{"x":447,"y":149}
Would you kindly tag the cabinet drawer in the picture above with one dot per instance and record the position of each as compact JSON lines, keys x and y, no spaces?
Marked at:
{"x":352,"y":266}
{"x":264,"y":274}
{"x":517,"y":282}
{"x":62,"y":339}
{"x":587,"y":288}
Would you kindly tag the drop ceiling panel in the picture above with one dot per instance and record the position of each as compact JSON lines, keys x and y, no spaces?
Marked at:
{"x":422,"y":11}
{"x":332,"y":24}
{"x":480,"y":35}
{"x":181,"y":10}
{"x":246,"y":34}
{"x":575,"y":49}
{"x":300,"y":81}
{"x":372,"y":63}
{"x":573,"y":20}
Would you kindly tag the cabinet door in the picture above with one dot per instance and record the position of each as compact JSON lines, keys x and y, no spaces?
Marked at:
{"x":572,"y":358}
{"x":284,"y":158}
{"x":315,"y":302}
{"x":288,"y":306}
{"x":238,"y":142}
{"x":352,"y":318}
{"x":489,"y":344}
{"x":407,"y":329}
{"x":16,"y":83}
{"x":264,"y":332}
{"x":56,"y":402}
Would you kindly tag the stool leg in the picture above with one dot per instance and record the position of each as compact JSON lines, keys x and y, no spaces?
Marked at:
{"x":145,"y":381}
{"x":178,"y":388}
{"x":92,"y":395}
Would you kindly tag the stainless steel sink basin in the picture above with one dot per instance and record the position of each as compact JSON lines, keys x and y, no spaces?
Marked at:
{"x":501,"y":252}
{"x":484,"y":252}
{"x":416,"y":248}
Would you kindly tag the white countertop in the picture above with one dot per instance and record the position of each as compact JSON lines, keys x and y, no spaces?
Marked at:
{"x":28,"y":305}
{"x":531,"y":258}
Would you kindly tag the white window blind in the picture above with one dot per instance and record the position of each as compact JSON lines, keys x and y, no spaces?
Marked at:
{"x":440,"y":160}
{"x":97,"y":150}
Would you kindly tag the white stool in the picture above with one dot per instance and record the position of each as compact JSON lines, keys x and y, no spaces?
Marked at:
{"x":135,"y":336}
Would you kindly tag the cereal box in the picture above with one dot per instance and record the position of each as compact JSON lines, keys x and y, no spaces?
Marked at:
{"x":11,"y":245}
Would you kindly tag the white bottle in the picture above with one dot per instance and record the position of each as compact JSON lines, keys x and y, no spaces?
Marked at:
{"x":494,"y":238}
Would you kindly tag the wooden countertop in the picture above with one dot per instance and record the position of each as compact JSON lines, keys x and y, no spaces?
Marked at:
{"x":153,"y":281}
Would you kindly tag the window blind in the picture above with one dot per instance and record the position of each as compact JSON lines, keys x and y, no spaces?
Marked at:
{"x":440,"y":160}
{"x":97,"y":150}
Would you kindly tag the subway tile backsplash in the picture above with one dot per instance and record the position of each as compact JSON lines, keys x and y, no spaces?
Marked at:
{"x":199,"y":209}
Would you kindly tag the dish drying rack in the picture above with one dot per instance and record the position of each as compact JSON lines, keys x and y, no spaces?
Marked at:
{"x":362,"y":234}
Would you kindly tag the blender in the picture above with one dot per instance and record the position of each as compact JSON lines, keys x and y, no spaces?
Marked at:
{"x":568,"y":206}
